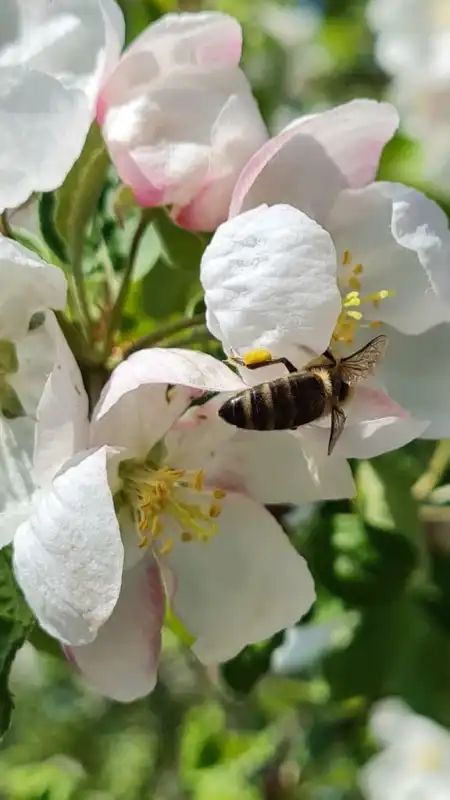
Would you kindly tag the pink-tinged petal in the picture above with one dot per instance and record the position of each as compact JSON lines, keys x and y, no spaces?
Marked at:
{"x":179,"y":118}
{"x":276,"y":467}
{"x":135,"y":409}
{"x":375,"y":424}
{"x":122,"y":662}
{"x":62,"y":427}
{"x":269,"y":277}
{"x":317,"y":156}
{"x":240,"y":587}
{"x":27,"y":285}
{"x":68,"y":555}
{"x":402,"y":240}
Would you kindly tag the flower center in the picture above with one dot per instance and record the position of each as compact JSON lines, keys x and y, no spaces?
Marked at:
{"x":156,"y":494}
{"x":353,"y":302}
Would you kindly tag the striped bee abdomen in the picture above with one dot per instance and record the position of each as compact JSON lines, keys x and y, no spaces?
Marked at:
{"x":276,"y":405}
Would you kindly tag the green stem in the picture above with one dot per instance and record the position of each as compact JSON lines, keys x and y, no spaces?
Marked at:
{"x":158,"y":336}
{"x":81,"y":296}
{"x":114,"y":318}
{"x":436,"y":468}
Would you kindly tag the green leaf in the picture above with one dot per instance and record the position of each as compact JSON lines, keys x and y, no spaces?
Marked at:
{"x":243,"y":672}
{"x":65,"y":214}
{"x":357,"y":562}
{"x":166,"y":290}
{"x":15,"y":623}
{"x":181,"y":248}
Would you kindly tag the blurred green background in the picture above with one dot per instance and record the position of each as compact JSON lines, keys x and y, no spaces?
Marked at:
{"x":381,"y":562}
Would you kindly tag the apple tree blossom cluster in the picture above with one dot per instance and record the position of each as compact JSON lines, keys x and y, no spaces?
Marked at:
{"x":128,"y":504}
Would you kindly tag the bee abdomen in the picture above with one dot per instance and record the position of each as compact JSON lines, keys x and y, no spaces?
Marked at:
{"x":252,"y":409}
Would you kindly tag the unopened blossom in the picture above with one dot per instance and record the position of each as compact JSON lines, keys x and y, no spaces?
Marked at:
{"x":317,"y":255}
{"x":35,"y":364}
{"x":179,"y":118}
{"x":412,"y":44}
{"x":54,"y":57}
{"x":163,"y":506}
{"x":415,"y":759}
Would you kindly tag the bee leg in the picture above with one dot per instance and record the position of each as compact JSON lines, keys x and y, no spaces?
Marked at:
{"x":288,"y":364}
{"x":328,"y":354}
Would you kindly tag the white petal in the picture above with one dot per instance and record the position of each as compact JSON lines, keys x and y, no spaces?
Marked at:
{"x":27,"y":285}
{"x":68,"y":556}
{"x":402,"y":240}
{"x":317,"y":156}
{"x":16,"y":484}
{"x":53,"y":58}
{"x":135,"y":410}
{"x":122,"y":662}
{"x":277,"y":467}
{"x":270,"y":282}
{"x":416,"y":373}
{"x":62,"y":427}
{"x":242,"y":586}
{"x":376,"y":427}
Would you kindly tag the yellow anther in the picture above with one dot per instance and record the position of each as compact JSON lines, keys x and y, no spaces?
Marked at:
{"x":355,"y":315}
{"x":157,"y":526}
{"x":346,"y":258}
{"x":142,"y":524}
{"x":166,"y":548}
{"x":215,"y":510}
{"x":358,"y":269}
{"x":219,"y":494}
{"x":352,"y":299}
{"x":199,"y":480}
{"x":255,"y":356}
{"x":186,"y":536}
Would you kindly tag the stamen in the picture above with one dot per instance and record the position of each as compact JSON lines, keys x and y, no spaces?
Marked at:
{"x":155,"y":493}
{"x":346,"y":258}
{"x":215,"y":510}
{"x":350,"y":318}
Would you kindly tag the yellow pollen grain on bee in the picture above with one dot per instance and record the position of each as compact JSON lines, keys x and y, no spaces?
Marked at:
{"x":199,"y":480}
{"x":255,"y":356}
{"x":215,"y":510}
{"x":219,"y":494}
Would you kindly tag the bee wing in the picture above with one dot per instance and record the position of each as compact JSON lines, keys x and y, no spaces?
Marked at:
{"x":338,"y":419}
{"x":360,"y":365}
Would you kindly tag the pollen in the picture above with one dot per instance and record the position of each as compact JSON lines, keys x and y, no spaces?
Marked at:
{"x":161,"y":497}
{"x":354,"y":302}
{"x":255,"y":356}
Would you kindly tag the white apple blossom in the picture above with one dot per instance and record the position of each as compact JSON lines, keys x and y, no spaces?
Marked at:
{"x":35,"y":362}
{"x":347,"y":259}
{"x":54,"y":57}
{"x":412,"y":44}
{"x":415,"y":761}
{"x":163,"y":502}
{"x":179,"y":117}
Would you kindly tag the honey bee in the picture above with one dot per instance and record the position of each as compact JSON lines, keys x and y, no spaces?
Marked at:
{"x":306,"y":395}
